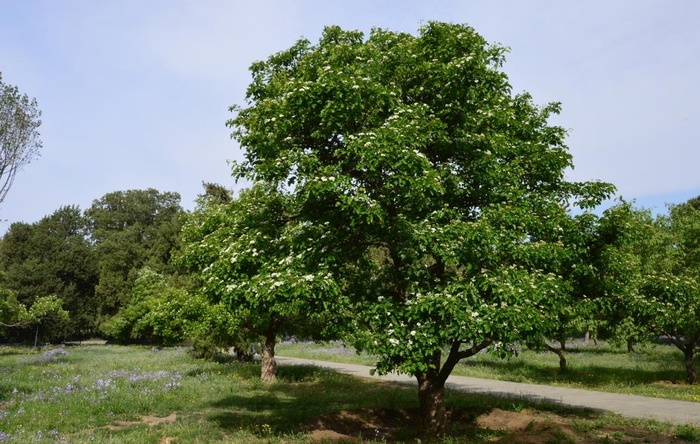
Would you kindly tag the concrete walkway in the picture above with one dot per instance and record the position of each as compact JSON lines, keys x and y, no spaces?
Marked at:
{"x":677,"y":412}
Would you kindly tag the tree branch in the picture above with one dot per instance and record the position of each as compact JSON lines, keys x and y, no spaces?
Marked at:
{"x":457,"y":355}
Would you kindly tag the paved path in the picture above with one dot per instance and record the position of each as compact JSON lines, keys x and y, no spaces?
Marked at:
{"x":677,"y":412}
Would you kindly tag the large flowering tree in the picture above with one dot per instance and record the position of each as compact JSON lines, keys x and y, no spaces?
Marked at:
{"x":444,"y":192}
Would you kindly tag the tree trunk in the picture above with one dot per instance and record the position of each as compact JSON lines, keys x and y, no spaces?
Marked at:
{"x":431,"y":398}
{"x":689,"y":354}
{"x":560,"y":353}
{"x":431,"y":386}
{"x":268,"y":369}
{"x":630,"y":346}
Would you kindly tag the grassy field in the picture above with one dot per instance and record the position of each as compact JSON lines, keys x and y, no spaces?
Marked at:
{"x":652,"y":370}
{"x":112,"y":394}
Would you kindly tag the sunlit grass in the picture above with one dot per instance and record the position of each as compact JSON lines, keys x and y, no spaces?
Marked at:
{"x":111,"y":394}
{"x":127,"y":394}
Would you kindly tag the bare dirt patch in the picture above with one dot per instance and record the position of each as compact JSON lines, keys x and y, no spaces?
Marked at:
{"x":527,"y":427}
{"x":493,"y":426}
{"x":369,"y":424}
{"x":147,"y":420}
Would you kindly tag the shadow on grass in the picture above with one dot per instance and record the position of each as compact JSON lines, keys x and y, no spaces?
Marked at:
{"x":302,"y":394}
{"x":306,"y":398}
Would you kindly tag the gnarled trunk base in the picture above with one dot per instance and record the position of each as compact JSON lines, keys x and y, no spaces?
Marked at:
{"x":431,"y":398}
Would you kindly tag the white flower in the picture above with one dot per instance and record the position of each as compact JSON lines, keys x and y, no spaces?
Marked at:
{"x":394,"y":341}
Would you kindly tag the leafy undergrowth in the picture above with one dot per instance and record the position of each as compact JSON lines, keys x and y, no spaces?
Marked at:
{"x":111,"y":394}
{"x":652,"y":370}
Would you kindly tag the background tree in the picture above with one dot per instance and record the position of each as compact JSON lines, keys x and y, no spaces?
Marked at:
{"x":53,"y":257}
{"x":19,"y":135}
{"x":131,"y":229}
{"x":623,"y":262}
{"x":215,"y":193}
{"x":669,"y":301}
{"x":601,"y":272}
{"x":254,"y":259}
{"x":576,"y":313}
{"x":442,"y":191}
{"x":14,"y":314}
{"x":160,"y":311}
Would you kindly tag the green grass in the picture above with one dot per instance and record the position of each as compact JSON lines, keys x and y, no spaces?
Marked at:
{"x":108,"y":394}
{"x":653,"y":370}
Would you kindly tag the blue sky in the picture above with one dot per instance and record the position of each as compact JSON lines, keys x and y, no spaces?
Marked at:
{"x":135,"y":93}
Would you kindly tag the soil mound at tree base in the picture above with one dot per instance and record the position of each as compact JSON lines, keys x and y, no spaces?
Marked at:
{"x":492,"y":426}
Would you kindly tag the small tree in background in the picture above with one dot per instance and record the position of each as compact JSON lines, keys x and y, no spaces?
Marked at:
{"x":13,"y":314}
{"x":258,"y":262}
{"x":669,"y":302}
{"x":623,"y":263}
{"x":602,"y":271}
{"x":19,"y":134}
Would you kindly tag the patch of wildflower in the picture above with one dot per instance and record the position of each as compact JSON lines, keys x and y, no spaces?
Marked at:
{"x":101,"y":388}
{"x":52,"y":434}
{"x":51,"y":355}
{"x":172,"y":379}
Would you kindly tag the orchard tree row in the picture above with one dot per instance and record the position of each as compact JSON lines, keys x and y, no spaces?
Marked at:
{"x":403,"y":199}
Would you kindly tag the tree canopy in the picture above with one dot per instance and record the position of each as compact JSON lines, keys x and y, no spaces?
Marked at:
{"x":53,"y":257}
{"x":19,"y":134}
{"x":443,"y":192}
{"x":669,"y":293}
{"x":131,"y":229}
{"x":257,"y":263}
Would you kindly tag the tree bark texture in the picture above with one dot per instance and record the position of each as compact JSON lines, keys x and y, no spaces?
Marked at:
{"x":431,"y":386}
{"x":268,"y":368}
{"x":431,"y":398}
